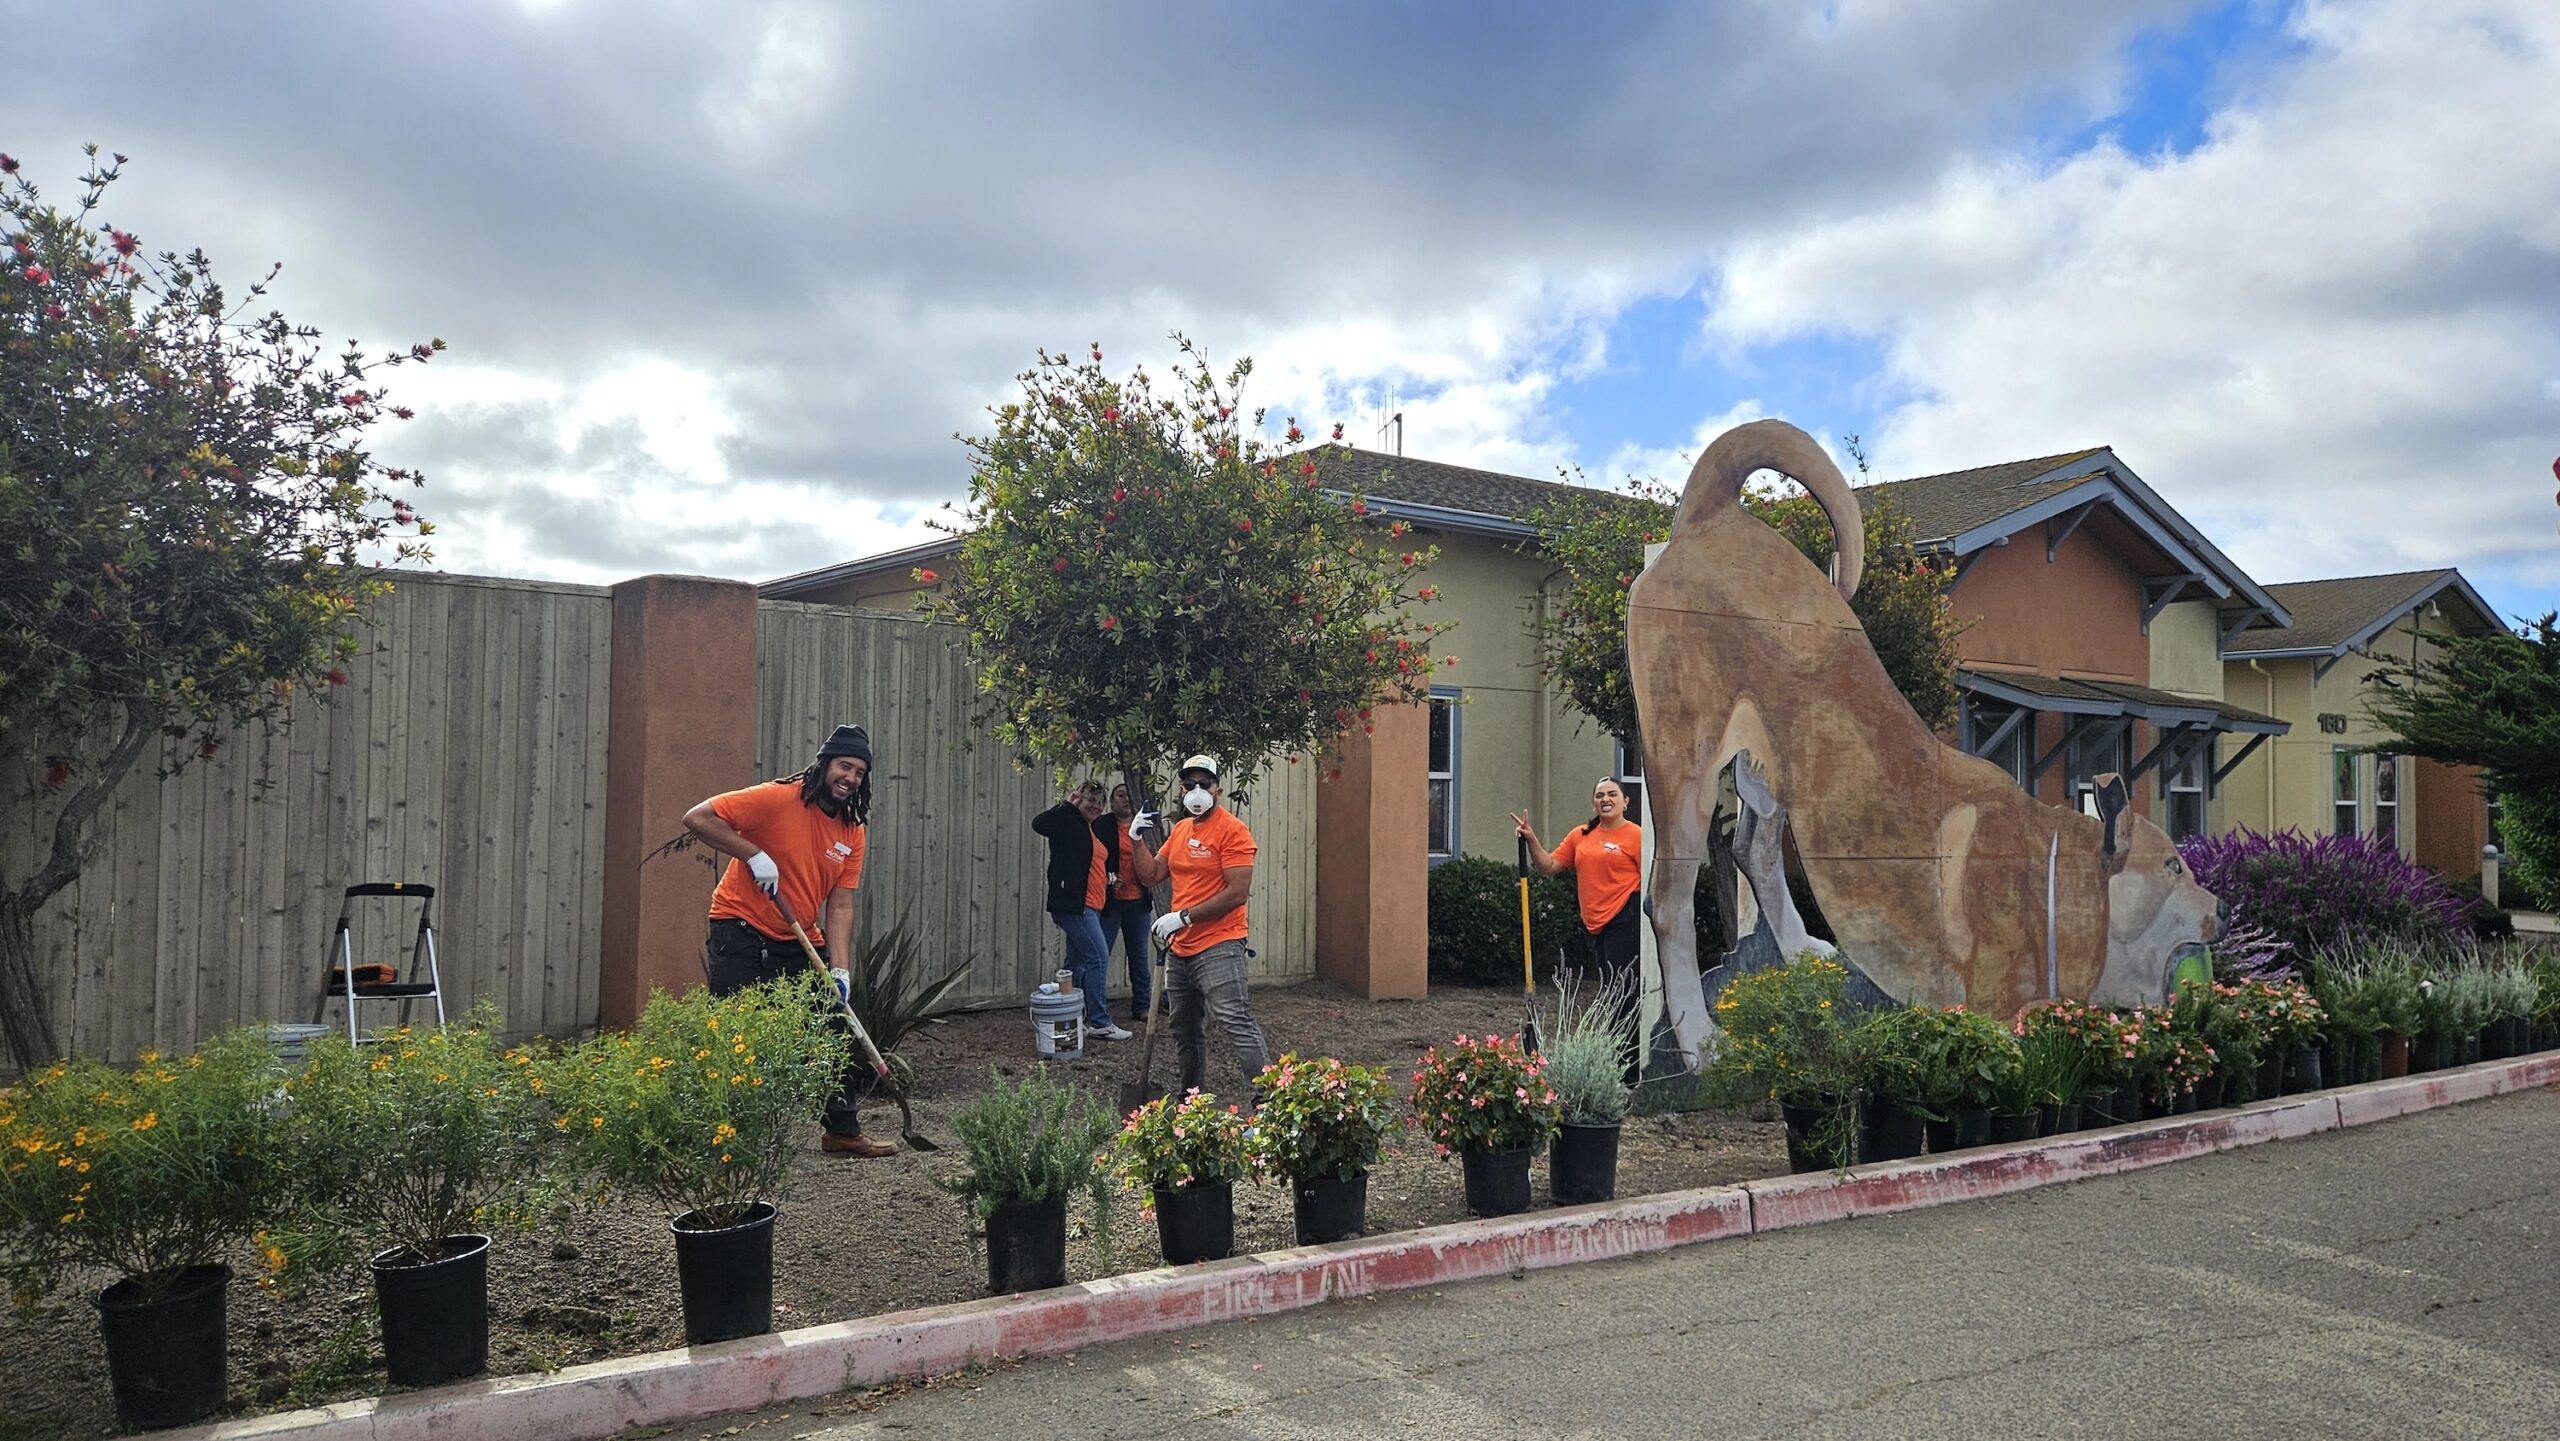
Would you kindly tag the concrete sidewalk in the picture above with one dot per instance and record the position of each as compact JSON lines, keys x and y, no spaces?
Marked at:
{"x":670,"y":1387}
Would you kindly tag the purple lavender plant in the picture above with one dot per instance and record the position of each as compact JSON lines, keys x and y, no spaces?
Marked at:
{"x":2307,"y":893}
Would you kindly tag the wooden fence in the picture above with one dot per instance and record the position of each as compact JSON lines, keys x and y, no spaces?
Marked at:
{"x":951,"y":841}
{"x":466,"y":752}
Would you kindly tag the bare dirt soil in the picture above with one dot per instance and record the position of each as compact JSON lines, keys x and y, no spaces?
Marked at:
{"x":857,"y":1237}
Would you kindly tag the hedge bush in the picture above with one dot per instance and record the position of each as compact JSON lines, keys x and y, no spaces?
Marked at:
{"x":2315,"y":892}
{"x":1475,"y":922}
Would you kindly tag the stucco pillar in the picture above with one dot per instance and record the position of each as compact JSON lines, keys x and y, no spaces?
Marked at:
{"x":681,"y":720}
{"x":1372,"y":865}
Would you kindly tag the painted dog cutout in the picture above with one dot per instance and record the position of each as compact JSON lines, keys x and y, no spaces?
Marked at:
{"x":1934,"y":868}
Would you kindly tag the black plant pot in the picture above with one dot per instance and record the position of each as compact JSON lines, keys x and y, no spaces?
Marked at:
{"x":1887,"y":1131}
{"x":2012,"y":1126}
{"x":1497,"y":1181}
{"x":2302,"y":1070}
{"x":2210,"y":1093}
{"x":1803,"y":1121}
{"x":1973,"y":1126}
{"x":2270,"y":1078}
{"x":1197,"y":1222}
{"x":2057,"y":1118}
{"x":726,"y":1275}
{"x":1582,"y":1165}
{"x":2111,"y":1108}
{"x":165,"y":1356}
{"x":2426,"y":1052}
{"x":435,"y":1313}
{"x":1027,"y":1246}
{"x":1941,"y":1133}
{"x":1330,"y":1208}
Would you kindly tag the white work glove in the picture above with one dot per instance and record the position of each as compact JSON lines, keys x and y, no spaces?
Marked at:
{"x":1141,"y":823}
{"x":768,"y":876}
{"x":1168,"y":923}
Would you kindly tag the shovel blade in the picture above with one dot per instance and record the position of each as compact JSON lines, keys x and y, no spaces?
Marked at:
{"x":918,"y":1143}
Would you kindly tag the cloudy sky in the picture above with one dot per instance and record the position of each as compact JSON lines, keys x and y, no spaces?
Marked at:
{"x":722,"y":281}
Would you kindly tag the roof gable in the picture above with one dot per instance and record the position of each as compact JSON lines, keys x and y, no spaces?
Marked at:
{"x":2331,"y":617}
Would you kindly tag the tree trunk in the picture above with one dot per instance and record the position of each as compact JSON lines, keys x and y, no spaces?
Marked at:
{"x":24,"y":1021}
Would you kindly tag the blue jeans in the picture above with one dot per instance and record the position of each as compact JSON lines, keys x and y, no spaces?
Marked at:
{"x":1088,"y":960}
{"x":1210,"y":987}
{"x":1128,"y":921}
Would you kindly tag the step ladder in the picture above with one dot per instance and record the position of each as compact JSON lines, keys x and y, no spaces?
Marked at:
{"x":342,"y":979}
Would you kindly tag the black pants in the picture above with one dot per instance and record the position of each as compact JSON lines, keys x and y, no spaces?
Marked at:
{"x":1616,"y":957}
{"x":741,"y":956}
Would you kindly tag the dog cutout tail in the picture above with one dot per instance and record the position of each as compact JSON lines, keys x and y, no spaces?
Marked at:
{"x":1715,"y":487}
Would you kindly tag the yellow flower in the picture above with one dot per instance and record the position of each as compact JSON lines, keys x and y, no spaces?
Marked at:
{"x":149,"y":1120}
{"x":598,"y":1122}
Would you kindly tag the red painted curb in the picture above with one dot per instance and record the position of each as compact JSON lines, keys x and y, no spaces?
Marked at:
{"x":672,"y":1387}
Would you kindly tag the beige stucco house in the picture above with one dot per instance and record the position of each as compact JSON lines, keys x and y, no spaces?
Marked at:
{"x":2312,"y":673}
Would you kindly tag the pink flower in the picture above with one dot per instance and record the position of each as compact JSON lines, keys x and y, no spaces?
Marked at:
{"x":125,"y":242}
{"x":38,"y":275}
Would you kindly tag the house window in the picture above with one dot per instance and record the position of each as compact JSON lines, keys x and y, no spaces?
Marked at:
{"x":2104,"y":751}
{"x":1631,"y":780}
{"x":1443,"y":773}
{"x":2386,"y":798}
{"x":2182,"y":786}
{"x":1983,"y":718}
{"x":2342,"y":789}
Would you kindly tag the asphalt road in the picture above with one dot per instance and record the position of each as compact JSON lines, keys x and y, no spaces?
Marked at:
{"x":2400,"y":1280}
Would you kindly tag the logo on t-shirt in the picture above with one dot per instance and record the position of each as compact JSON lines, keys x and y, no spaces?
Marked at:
{"x":1611,"y":846}
{"x":842,"y":850}
{"x":1197,"y":848}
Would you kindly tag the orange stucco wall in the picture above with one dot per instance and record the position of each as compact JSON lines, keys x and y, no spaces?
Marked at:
{"x":2079,"y":614}
{"x":2452,"y":819}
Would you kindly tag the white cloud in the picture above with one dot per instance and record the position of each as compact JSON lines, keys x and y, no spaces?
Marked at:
{"x":2328,"y":334}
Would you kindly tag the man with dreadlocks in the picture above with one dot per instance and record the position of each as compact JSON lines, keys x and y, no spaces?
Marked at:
{"x":799,"y":839}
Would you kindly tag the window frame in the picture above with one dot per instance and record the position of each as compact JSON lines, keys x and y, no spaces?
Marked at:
{"x":2346,"y":791}
{"x":2189,"y":776}
{"x":1443,"y":700}
{"x":2017,"y":749}
{"x":2398,"y":779}
{"x":1631,"y":780}
{"x":2079,"y":782}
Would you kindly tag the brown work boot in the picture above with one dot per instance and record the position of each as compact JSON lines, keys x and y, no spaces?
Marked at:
{"x":835,"y":1145}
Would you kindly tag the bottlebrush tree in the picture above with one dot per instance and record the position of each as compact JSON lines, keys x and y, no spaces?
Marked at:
{"x":189,"y":528}
{"x":1142,"y":575}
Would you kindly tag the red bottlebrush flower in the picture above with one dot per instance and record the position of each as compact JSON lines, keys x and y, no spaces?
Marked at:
{"x":336,"y":676}
{"x":1059,"y":564}
{"x":55,"y":312}
{"x":1119,"y":492}
{"x":1097,"y":352}
{"x":404,"y":412}
{"x":1359,"y":507}
{"x":97,"y":311}
{"x":1224,"y":412}
{"x":1396,"y":529}
{"x":208,"y":748}
{"x":37,"y":275}
{"x":1111,"y":622}
{"x":1109,"y":516}
{"x":1309,"y":469}
{"x":57,"y":775}
{"x":927,"y":576}
{"x":1406,"y":557}
{"x":1429,"y":592}
{"x":1337,"y":430}
{"x":98,"y":269}
{"x":1295,"y":434}
{"x":1305,"y":695}
{"x":352,"y":399}
{"x":1245,"y":525}
{"x":125,"y":242}
{"x":8,"y":165}
{"x":1226,"y":452}
{"x":1111,"y":415}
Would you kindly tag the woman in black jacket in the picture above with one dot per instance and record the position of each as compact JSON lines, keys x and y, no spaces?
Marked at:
{"x":1078,"y":884}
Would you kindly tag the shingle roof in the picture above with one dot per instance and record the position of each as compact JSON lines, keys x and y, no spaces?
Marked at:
{"x":1451,"y":487}
{"x":2117,"y":697}
{"x":2330,"y":615}
{"x":1947,"y":505}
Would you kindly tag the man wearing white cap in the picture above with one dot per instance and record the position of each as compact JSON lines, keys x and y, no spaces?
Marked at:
{"x":1209,"y":855}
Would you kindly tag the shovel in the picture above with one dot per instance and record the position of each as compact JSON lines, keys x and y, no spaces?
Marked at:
{"x":861,"y":1037}
{"x":1528,"y":965}
{"x":1134,"y":1094}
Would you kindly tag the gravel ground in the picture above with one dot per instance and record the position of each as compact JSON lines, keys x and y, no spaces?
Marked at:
{"x":857,"y":1237}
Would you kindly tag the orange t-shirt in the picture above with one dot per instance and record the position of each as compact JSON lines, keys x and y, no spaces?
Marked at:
{"x":1606,"y":869}
{"x":1124,"y":882}
{"x":817,"y":854}
{"x":1095,"y":878}
{"x":1200,"y":852}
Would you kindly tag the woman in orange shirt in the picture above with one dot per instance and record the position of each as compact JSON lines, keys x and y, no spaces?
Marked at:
{"x":1604,"y":854}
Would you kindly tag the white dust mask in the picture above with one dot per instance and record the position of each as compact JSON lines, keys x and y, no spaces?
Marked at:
{"x":1197,"y":800}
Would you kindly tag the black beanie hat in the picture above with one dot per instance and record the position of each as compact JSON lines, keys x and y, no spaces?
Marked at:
{"x":847,"y":741}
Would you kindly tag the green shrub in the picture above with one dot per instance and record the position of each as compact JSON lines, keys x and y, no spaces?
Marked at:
{"x":1474,"y":924}
{"x":700,"y":1103}
{"x":1171,"y":1142}
{"x":400,"y":1143}
{"x":1588,"y":1047}
{"x":139,"y":1173}
{"x":1484,"y":1093}
{"x":1784,"y":1031}
{"x":1320,"y":1120}
{"x":1033,"y":1140}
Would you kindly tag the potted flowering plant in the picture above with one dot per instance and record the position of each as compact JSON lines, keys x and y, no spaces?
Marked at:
{"x":1784,"y":1038}
{"x":2091,"y":1033}
{"x":409,"y":1150}
{"x":1188,"y":1155}
{"x":1489,"y":1100}
{"x":148,"y":1175}
{"x":2288,"y":1018}
{"x":1321,"y":1125}
{"x":698,"y":1105}
{"x":2231,"y":1021}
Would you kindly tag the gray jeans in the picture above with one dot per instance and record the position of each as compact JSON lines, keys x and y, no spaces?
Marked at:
{"x":1211,"y":984}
